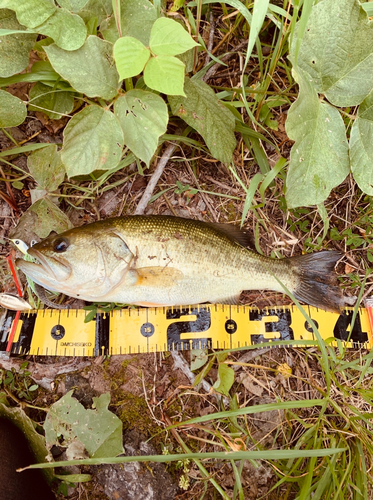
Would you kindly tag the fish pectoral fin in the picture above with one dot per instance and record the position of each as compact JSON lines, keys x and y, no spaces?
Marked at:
{"x":158,"y":276}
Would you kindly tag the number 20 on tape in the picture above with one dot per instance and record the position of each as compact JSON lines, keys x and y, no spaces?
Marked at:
{"x":64,"y":333}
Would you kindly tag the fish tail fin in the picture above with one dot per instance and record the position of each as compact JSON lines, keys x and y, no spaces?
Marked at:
{"x":316,"y":281}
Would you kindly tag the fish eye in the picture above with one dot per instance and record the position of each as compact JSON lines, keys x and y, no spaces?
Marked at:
{"x":60,"y":245}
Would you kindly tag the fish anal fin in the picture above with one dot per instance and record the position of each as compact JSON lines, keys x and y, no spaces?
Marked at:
{"x":158,"y":276}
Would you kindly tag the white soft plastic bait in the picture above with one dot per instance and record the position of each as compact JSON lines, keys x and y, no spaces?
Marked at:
{"x":13,"y":302}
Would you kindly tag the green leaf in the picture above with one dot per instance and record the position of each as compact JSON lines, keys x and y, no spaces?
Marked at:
{"x":319,"y":158}
{"x":208,"y":116}
{"x":361,"y":146}
{"x":93,"y":140}
{"x":225,"y":379}
{"x":67,"y":30}
{"x":23,"y":149}
{"x":30,"y":13}
{"x":53,"y":102}
{"x":137,"y":18}
{"x":100,"y":9}
{"x":40,"y":219}
{"x":198,"y":358}
{"x":337,"y":51}
{"x":169,"y":38}
{"x":12,"y":110}
{"x":143,"y":117}
{"x":259,"y":13}
{"x":90,"y":69}
{"x":14,"y":53}
{"x":72,"y":5}
{"x":46,"y":167}
{"x":40,"y":71}
{"x":165,"y":74}
{"x":5,"y":32}
{"x":98,"y":430}
{"x":130,"y":56}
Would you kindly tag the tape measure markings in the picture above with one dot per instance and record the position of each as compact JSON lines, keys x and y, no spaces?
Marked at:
{"x":127,"y":331}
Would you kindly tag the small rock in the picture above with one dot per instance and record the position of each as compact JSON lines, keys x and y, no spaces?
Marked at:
{"x":135,"y":480}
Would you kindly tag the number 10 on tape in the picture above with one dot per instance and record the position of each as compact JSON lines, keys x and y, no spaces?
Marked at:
{"x":64,"y":333}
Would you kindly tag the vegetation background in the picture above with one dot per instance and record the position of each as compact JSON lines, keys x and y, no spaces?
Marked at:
{"x":250,"y":113}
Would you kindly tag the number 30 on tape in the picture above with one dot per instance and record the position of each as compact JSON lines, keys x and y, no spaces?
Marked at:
{"x":63,"y":333}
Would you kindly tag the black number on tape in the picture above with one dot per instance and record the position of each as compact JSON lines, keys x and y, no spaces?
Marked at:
{"x":342,"y":328}
{"x":58,"y":332}
{"x":281,"y":326}
{"x":147,"y":329}
{"x":201,"y":324}
{"x":230,"y":326}
{"x":309,"y":328}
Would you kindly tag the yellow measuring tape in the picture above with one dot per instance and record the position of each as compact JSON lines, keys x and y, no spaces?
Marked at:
{"x":128,"y":331}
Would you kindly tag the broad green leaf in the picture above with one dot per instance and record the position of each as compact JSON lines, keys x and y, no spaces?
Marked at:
{"x":361,"y":146}
{"x":49,"y":218}
{"x":98,"y":430}
{"x":319,"y":158}
{"x":130,"y":56}
{"x":198,"y":358}
{"x":337,"y":51}
{"x":99,"y":9}
{"x":46,"y":167}
{"x":93,"y":140}
{"x":90,"y":69}
{"x":39,"y":220}
{"x":67,"y":30}
{"x":53,"y":102}
{"x":143,"y":117}
{"x":14,"y":53}
{"x":165,"y":74}
{"x":169,"y":38}
{"x":12,"y":110}
{"x":225,"y":379}
{"x":208,"y":116}
{"x":30,"y":13}
{"x":137,"y":19}
{"x":72,"y":5}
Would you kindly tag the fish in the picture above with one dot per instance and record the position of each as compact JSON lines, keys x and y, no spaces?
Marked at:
{"x":156,"y":260}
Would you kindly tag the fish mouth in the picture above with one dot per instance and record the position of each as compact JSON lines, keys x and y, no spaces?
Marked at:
{"x":46,"y":268}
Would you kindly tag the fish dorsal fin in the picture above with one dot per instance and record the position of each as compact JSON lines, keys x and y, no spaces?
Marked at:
{"x":158,"y":276}
{"x":242,"y":237}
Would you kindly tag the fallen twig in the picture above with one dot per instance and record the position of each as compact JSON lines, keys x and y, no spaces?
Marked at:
{"x":181,"y":364}
{"x":155,"y":178}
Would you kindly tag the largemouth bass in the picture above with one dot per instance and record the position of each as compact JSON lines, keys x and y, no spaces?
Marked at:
{"x":166,"y":261}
